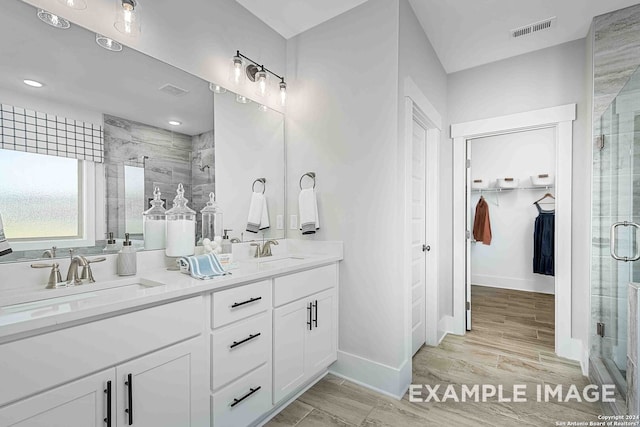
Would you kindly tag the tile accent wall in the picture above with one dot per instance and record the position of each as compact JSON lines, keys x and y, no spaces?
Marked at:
{"x":202,"y":177}
{"x":37,"y":132}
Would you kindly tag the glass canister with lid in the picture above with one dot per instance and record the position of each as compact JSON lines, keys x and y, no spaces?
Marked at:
{"x":211,"y":219}
{"x":181,"y":227}
{"x":154,"y":223}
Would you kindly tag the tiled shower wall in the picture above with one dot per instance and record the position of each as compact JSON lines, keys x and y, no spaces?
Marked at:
{"x":616,"y":50}
{"x":169,"y":158}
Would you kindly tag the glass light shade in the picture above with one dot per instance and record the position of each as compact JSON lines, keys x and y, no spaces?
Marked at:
{"x":108,"y":43}
{"x":216,"y":88}
{"x":74,"y":4}
{"x":53,"y":19}
{"x":283,"y":93}
{"x":262,"y":83}
{"x":236,"y":70}
{"x":128,"y":17}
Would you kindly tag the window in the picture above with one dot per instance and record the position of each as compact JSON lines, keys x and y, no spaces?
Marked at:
{"x":51,"y":210}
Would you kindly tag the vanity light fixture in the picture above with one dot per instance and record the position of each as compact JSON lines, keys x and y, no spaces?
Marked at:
{"x":74,"y":4}
{"x":128,"y":17}
{"x":216,"y":88}
{"x":53,"y":19}
{"x":32,"y":83}
{"x":108,"y":43}
{"x":174,"y":123}
{"x":256,"y":73}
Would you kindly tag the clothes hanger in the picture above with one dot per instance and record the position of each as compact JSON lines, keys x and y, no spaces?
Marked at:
{"x":544,"y":197}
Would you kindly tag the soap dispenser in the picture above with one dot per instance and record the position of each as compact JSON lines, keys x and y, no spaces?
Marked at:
{"x":226,"y":243}
{"x":111,"y":243}
{"x":181,"y":227}
{"x":154,"y":223}
{"x":211,"y":219}
{"x":127,"y":261}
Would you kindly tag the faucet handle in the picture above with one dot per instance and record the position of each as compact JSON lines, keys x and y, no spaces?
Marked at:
{"x":55,"y":278}
{"x":257,"y":245}
{"x":86,"y":269}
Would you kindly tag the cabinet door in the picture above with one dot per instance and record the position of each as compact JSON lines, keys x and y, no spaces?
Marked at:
{"x":320,"y":342}
{"x":289,"y":330}
{"x":82,"y":403}
{"x":164,"y":389}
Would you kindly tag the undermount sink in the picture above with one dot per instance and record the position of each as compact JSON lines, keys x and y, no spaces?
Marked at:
{"x":279,"y":261}
{"x":78,"y":294}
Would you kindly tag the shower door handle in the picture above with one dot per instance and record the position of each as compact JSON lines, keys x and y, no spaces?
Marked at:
{"x":613,"y":238}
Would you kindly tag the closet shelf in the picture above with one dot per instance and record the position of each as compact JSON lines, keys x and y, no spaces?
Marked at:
{"x":500,"y":190}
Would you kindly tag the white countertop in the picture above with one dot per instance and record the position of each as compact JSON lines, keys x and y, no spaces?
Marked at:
{"x":23,"y":314}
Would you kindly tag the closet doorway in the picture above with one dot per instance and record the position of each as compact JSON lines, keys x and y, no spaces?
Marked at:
{"x":560,"y":121}
{"x":510,"y":213}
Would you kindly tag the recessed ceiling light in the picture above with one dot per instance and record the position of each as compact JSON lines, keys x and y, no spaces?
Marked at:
{"x":53,"y":19}
{"x":108,"y":43}
{"x":262,"y":107}
{"x":174,"y":123}
{"x":74,"y":4}
{"x":32,"y":83}
{"x":242,"y":99}
{"x":215,"y":87}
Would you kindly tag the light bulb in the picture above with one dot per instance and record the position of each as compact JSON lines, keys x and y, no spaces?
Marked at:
{"x":261,"y":79}
{"x":237,"y":70}
{"x":127,"y":17}
{"x":283,"y":93}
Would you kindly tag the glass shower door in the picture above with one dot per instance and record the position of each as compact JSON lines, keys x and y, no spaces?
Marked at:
{"x":616,"y":213}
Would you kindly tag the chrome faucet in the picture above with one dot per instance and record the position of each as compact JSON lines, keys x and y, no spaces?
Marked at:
{"x":266,"y":247}
{"x":73,"y":278}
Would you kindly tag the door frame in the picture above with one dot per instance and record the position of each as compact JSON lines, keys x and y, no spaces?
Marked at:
{"x":561,"y":119}
{"x":417,"y":104}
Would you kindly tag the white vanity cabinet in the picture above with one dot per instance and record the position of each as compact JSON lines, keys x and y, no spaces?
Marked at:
{"x":305,"y":328}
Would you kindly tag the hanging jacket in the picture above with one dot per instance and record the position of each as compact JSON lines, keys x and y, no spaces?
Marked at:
{"x":543,"y":242}
{"x":481,"y":223}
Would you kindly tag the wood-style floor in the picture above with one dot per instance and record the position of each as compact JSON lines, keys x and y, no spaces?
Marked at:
{"x":511,"y":343}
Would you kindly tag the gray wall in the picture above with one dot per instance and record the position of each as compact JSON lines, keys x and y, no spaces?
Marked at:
{"x":540,"y":79}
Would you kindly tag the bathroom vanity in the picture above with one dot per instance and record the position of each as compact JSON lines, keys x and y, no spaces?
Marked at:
{"x":164,"y":349}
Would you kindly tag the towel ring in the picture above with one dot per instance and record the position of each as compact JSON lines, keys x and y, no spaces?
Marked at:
{"x":261,"y":180}
{"x":311,"y":175}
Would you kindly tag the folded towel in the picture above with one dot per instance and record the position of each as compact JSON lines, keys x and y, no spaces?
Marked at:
{"x":5,"y":249}
{"x":202,"y":266}
{"x":258,"y":213}
{"x":308,"y":205}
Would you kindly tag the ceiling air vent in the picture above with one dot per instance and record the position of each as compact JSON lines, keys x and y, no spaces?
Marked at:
{"x":173,"y":90}
{"x":533,"y":28}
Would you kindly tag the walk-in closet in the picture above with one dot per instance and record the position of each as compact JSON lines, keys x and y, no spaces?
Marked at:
{"x":511,"y":223}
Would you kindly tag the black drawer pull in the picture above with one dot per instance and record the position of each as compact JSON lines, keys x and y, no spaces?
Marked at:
{"x":108,"y":393}
{"x":129,"y":384}
{"x":251,"y":391}
{"x":249,"y":338}
{"x":315,"y":319}
{"x":310,"y":317}
{"x":249,"y":301}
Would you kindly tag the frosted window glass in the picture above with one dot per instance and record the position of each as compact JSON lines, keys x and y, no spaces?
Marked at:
{"x":133,"y":198}
{"x":39,"y":195}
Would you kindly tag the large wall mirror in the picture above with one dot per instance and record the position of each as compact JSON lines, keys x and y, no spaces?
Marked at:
{"x":80,"y":156}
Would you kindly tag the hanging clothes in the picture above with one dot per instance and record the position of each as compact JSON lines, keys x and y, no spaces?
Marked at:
{"x":543,"y":242}
{"x":481,"y":223}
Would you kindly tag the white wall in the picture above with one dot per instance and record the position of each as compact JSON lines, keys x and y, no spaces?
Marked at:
{"x":540,"y":79}
{"x":507,"y":261}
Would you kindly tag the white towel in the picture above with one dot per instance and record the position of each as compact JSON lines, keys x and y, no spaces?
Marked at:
{"x":308,"y":205}
{"x":5,"y":249}
{"x":258,"y":213}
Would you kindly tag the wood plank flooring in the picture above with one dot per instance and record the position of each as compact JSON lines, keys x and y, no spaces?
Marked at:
{"x":512,"y":342}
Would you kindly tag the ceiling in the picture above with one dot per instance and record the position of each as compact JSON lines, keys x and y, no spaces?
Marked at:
{"x":464,"y":33}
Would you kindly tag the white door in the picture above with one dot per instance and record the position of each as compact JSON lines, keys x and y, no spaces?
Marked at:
{"x":320,"y":344}
{"x":418,"y":244}
{"x":82,"y":403}
{"x":470,"y":218}
{"x":156,"y":390}
{"x":290,"y":324}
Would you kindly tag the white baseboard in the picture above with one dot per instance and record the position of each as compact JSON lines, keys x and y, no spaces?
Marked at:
{"x":515,"y":283}
{"x":390,"y":381}
{"x":445,"y":326}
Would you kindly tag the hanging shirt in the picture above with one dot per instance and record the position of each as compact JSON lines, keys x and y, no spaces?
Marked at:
{"x":481,"y":223}
{"x":543,"y":242}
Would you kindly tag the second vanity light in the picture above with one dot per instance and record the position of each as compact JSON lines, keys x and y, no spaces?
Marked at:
{"x":256,"y":73}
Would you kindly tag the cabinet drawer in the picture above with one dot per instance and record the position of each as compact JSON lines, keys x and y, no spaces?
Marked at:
{"x":299,"y":285}
{"x":239,"y":348}
{"x":40,"y":362}
{"x":250,"y":397}
{"x":239,"y":303}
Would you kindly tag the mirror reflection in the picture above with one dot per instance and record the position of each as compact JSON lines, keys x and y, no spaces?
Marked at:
{"x":81,"y":155}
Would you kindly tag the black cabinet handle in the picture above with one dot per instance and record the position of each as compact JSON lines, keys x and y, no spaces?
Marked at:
{"x":251,"y":391}
{"x":108,"y":393}
{"x":249,"y":301}
{"x":315,"y":319}
{"x":310,"y":317}
{"x":129,"y":384}
{"x":249,"y":338}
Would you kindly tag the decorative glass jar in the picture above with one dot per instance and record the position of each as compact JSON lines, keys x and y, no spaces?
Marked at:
{"x":154,"y":223}
{"x":181,"y":227}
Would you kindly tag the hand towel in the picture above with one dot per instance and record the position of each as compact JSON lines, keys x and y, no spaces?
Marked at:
{"x":5,"y":249}
{"x":308,"y":206}
{"x":202,"y":266}
{"x":258,"y":213}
